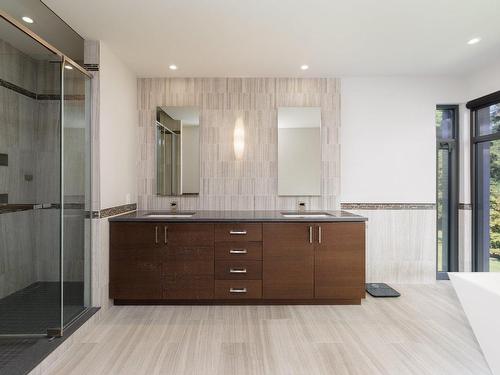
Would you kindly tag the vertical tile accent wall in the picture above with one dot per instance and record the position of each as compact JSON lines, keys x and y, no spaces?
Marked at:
{"x":249,"y":183}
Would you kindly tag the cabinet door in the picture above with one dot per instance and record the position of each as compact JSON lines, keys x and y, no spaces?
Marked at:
{"x":135,"y":261}
{"x":188,"y":269}
{"x":339,"y":261}
{"x":288,"y":261}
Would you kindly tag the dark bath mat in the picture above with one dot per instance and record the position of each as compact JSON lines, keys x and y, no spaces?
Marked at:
{"x":381,"y":290}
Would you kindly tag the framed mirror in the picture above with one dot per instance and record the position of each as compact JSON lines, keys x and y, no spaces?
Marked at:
{"x":177,"y":151}
{"x":299,"y":151}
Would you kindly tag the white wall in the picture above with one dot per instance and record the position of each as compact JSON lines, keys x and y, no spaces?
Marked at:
{"x":388,"y":155}
{"x":388,"y":137}
{"x":118,"y":131}
{"x":483,"y":82}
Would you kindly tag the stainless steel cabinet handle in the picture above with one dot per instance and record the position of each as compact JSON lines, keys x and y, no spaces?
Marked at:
{"x":156,"y":234}
{"x":165,"y":233}
{"x":238,"y":251}
{"x":319,"y":234}
{"x":310,"y":234}
{"x":238,"y":232}
{"x":237,"y":290}
{"x":237,"y":270}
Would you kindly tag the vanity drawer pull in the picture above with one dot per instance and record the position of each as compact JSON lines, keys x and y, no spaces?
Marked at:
{"x":237,"y":270}
{"x":238,"y":251}
{"x":237,"y":290}
{"x":238,"y":232}
{"x":230,"y":289}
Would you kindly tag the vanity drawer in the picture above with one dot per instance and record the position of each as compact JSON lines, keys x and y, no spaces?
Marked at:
{"x":238,"y":250}
{"x":238,"y":270}
{"x":238,"y":232}
{"x":238,"y":289}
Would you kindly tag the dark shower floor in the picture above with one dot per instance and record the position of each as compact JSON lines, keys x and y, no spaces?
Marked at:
{"x":31,"y":311}
{"x":36,"y":308}
{"x":21,"y":355}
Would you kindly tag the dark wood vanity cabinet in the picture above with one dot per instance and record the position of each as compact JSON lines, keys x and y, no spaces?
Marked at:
{"x":339,"y":261}
{"x":188,"y":262}
{"x":271,"y":262}
{"x":135,"y":261}
{"x":288,"y":261}
{"x":151,"y":261}
{"x":314,"y":261}
{"x":238,"y":261}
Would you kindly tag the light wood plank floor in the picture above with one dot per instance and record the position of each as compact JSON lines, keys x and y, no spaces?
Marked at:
{"x":423,"y":332}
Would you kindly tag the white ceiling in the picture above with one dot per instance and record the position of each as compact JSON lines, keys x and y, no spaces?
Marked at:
{"x":274,"y":37}
{"x":47,"y":25}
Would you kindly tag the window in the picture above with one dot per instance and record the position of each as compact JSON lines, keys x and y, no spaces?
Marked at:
{"x":447,"y":189}
{"x":485,"y":120}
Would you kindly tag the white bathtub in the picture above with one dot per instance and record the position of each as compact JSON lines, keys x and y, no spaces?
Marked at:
{"x":479,"y":294}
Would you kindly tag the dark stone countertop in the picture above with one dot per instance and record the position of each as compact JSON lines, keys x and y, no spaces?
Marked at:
{"x":240,"y":216}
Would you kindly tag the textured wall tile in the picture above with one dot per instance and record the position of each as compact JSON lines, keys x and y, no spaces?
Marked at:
{"x":249,"y":183}
{"x":401,"y":245}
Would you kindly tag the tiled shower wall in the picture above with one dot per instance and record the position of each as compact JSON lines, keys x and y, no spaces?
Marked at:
{"x":250,"y":183}
{"x":29,"y":135}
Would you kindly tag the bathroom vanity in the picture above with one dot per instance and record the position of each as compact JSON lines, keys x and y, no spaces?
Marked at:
{"x":227,"y":257}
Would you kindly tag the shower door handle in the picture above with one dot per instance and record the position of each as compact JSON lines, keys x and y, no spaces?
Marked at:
{"x":156,"y":234}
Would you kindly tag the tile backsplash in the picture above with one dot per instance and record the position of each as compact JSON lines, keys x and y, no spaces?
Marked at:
{"x":251,"y":182}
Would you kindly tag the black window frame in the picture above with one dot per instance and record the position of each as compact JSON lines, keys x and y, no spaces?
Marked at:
{"x":474,"y":106}
{"x":452,"y":265}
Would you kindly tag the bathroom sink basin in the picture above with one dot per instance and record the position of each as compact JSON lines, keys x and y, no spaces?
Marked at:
{"x":167,"y":215}
{"x":302,"y":215}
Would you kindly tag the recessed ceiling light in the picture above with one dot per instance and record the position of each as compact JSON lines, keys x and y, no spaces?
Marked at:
{"x":474,"y":41}
{"x":27,"y":19}
{"x":69,"y":67}
{"x":304,"y":67}
{"x":172,"y":67}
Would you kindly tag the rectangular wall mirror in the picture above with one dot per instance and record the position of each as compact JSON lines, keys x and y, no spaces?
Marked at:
{"x":177,"y":151}
{"x":299,"y":151}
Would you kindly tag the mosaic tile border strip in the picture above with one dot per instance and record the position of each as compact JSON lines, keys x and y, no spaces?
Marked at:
{"x":91,"y":67}
{"x":388,"y":206}
{"x":9,"y":208}
{"x":117,"y":210}
{"x":17,"y":89}
{"x":34,"y":95}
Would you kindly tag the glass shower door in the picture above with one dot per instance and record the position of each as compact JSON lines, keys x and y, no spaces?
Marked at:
{"x":30,"y":206}
{"x":76,"y":185}
{"x":45,"y":186}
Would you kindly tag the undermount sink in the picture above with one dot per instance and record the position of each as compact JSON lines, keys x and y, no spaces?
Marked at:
{"x":300,"y":215}
{"x":167,"y":215}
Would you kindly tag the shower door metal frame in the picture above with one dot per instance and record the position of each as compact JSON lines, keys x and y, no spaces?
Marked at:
{"x":43,"y":42}
{"x":57,"y":332}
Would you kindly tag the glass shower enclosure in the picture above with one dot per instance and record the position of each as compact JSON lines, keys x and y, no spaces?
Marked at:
{"x":45,"y":185}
